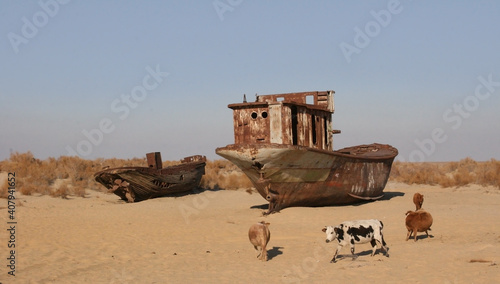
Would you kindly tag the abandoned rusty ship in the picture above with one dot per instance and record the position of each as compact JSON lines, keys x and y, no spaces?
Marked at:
{"x":139,"y":183}
{"x":284,"y":144}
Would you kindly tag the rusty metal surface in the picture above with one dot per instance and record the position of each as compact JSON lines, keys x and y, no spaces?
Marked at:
{"x":286,"y":119}
{"x":289,"y":157}
{"x":140,"y":183}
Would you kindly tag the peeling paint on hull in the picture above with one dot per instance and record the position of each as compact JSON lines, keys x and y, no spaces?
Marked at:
{"x":291,"y":175}
{"x":284,"y":144}
{"x":134,"y":184}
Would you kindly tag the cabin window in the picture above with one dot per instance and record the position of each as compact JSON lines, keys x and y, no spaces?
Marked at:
{"x":254,"y":115}
{"x":310,"y":100}
{"x":264,"y":114}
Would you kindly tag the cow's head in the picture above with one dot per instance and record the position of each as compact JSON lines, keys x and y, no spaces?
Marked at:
{"x":331,"y":233}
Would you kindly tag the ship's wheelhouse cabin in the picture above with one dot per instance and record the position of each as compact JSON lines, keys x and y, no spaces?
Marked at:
{"x":303,"y":119}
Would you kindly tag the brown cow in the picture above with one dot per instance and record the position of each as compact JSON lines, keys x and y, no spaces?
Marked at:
{"x":418,"y":199}
{"x":259,"y":236}
{"x":418,"y":221}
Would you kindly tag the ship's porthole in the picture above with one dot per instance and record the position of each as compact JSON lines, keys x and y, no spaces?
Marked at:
{"x":264,"y":114}
{"x":254,"y":115}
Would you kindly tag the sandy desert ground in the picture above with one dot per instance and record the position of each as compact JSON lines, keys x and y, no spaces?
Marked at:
{"x":202,"y":238}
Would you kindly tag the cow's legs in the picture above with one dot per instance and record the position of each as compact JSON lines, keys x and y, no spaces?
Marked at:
{"x":373,"y":242}
{"x":336,"y":253}
{"x":384,"y":246}
{"x":352,"y":251}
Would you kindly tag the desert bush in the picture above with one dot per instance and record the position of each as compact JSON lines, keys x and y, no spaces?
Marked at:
{"x":27,"y":189}
{"x":62,"y":191}
{"x":40,"y":177}
{"x":4,"y":187}
{"x":222,"y":174}
{"x":416,"y":173}
{"x":34,"y":176}
{"x":448,"y":174}
{"x":463,"y":176}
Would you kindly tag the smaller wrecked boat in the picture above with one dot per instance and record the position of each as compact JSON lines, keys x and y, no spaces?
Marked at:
{"x":284,"y":144}
{"x":140,"y":183}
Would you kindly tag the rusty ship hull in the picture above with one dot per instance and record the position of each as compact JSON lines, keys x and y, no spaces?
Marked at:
{"x":134,"y":184}
{"x":284,"y":144}
{"x":289,"y":175}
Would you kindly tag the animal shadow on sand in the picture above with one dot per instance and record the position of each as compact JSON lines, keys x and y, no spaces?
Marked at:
{"x":262,"y":206}
{"x":194,"y":191}
{"x":275,"y":251}
{"x":421,"y":236}
{"x":391,"y":194}
{"x":387,"y":196}
{"x":354,"y":256}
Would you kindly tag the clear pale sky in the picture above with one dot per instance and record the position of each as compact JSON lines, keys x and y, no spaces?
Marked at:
{"x":123,"y":78}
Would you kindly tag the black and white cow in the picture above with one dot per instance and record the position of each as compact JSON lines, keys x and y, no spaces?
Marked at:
{"x":356,"y":232}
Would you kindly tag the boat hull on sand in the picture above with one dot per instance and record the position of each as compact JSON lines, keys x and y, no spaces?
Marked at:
{"x":134,"y":184}
{"x":291,"y":175}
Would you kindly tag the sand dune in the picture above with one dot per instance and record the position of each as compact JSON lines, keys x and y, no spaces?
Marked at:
{"x":202,"y":237}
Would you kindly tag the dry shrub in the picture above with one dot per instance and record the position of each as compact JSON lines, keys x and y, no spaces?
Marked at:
{"x":27,"y":189}
{"x":489,"y":173}
{"x":448,"y":174}
{"x":62,"y":191}
{"x":222,"y":174}
{"x":463,"y":176}
{"x":79,"y":191}
{"x":4,"y":187}
{"x":234,"y":180}
{"x":34,"y":176}
{"x":415,"y":173}
{"x":166,"y":163}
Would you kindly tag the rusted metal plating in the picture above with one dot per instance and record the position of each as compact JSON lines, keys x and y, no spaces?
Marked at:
{"x":294,"y":119}
{"x":139,"y":183}
{"x":284,"y":143}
